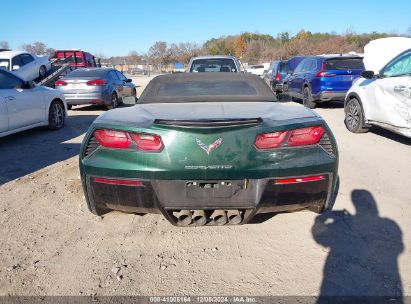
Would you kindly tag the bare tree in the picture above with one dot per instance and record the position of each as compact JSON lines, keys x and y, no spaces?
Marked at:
{"x":38,"y":48}
{"x":4,"y":45}
{"x":133,"y":57}
{"x":157,"y":52}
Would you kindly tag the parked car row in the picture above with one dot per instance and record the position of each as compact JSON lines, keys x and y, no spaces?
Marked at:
{"x":379,"y":96}
{"x":25,"y":104}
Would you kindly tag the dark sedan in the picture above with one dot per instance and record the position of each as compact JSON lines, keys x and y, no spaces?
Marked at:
{"x":103,"y":86}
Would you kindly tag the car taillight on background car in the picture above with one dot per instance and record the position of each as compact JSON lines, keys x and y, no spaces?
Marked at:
{"x":96,"y":82}
{"x":323,"y":73}
{"x":297,"y":137}
{"x":278,"y":77}
{"x":60,"y":83}
{"x":123,"y":140}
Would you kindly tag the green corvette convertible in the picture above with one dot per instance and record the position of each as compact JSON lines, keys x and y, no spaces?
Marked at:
{"x":209,"y":149}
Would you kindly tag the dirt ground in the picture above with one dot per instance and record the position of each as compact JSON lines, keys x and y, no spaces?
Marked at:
{"x":50,"y":244}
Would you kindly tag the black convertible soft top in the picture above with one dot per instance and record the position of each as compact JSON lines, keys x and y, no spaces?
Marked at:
{"x":206,"y":87}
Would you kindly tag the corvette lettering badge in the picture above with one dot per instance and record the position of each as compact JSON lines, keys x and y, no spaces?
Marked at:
{"x":209,"y":148}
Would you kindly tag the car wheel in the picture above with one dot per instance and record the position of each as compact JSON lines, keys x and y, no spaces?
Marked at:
{"x":354,"y":117}
{"x":134,"y":94}
{"x":308,"y":100}
{"x":271,"y":86}
{"x":42,"y":71}
{"x":114,"y":102}
{"x":56,"y":115}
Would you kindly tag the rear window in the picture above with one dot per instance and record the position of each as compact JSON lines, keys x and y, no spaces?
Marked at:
{"x":344,"y":64}
{"x":201,"y":88}
{"x":213,"y":65}
{"x":283,"y":68}
{"x":88,"y":73}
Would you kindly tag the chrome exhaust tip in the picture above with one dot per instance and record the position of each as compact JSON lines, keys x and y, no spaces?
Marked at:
{"x":234,"y":217}
{"x":184,"y":218}
{"x":219,"y":217}
{"x":199,"y":218}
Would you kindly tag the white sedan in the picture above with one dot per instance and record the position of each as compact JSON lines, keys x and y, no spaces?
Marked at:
{"x":383,"y":99}
{"x":26,"y":66}
{"x":23,"y":105}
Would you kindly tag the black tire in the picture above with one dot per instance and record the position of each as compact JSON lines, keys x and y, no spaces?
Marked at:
{"x":57,"y":115}
{"x":134,"y":94}
{"x":354,"y":117}
{"x":114,"y":101}
{"x":271,"y":86}
{"x":42,"y":71}
{"x":97,"y":210}
{"x":308,"y":100}
{"x":285,"y":88}
{"x":69,"y":107}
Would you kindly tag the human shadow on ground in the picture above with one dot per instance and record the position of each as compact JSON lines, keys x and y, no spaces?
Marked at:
{"x":362,"y":262}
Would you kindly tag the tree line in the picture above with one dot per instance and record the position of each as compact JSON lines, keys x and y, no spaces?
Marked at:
{"x":249,"y":47}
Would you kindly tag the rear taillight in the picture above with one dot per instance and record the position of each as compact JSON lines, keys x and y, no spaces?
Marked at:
{"x":277,"y":77}
{"x":323,"y":73}
{"x":123,"y":140}
{"x":298,"y":137}
{"x":96,"y":82}
{"x":147,"y":142}
{"x":302,"y":179}
{"x":60,"y":83}
{"x":305,"y":136}
{"x":270,"y":140}
{"x":112,"y":139}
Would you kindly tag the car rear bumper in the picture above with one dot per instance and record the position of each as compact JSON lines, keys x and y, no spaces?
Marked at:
{"x":247,"y":196}
{"x":86,"y":98}
{"x":330,"y":95}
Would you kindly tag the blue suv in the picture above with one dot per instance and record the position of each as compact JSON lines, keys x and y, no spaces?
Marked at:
{"x":323,"y":78}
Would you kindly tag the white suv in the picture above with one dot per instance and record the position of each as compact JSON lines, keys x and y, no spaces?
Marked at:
{"x":383,"y":99}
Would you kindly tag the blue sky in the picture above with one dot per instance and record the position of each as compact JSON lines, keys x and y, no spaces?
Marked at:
{"x":117,"y":27}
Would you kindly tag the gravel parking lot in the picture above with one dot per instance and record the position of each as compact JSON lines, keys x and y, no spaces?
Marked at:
{"x":52,"y":245}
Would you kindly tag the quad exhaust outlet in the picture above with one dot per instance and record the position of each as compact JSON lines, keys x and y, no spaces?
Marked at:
{"x":234,"y":217}
{"x":199,"y":218}
{"x":184,"y":218}
{"x":217,"y":217}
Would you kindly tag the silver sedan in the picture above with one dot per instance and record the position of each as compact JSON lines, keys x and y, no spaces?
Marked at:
{"x":103,"y":86}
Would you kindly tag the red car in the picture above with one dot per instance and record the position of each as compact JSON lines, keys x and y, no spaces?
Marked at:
{"x":79,"y":59}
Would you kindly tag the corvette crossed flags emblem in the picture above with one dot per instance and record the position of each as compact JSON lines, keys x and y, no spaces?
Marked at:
{"x":209,"y":148}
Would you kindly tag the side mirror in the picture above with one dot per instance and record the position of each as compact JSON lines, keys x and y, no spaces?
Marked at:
{"x":367,"y":74}
{"x":129,"y":80}
{"x":16,"y":67}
